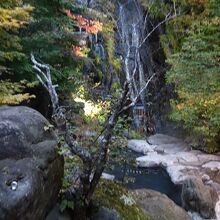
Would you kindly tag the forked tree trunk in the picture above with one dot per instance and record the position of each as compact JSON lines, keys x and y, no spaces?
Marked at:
{"x":92,"y":166}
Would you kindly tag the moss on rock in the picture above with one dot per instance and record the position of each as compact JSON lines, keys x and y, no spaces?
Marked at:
{"x":112,"y":195}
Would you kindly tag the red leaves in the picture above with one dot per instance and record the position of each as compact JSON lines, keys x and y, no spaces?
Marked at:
{"x":90,"y":26}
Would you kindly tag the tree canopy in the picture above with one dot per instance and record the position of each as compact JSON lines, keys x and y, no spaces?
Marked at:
{"x":193,"y":52}
{"x":13,"y":16}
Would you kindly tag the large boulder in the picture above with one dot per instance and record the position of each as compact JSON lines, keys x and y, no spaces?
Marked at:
{"x":199,"y":198}
{"x":106,"y":214}
{"x":31,"y":170}
{"x":158,"y":206}
{"x":102,"y":213}
{"x":56,"y":214}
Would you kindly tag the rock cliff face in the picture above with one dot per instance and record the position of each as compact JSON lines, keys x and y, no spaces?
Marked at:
{"x":31,"y":170}
{"x":141,"y":54}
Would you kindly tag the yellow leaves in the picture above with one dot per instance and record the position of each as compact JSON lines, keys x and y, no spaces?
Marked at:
{"x":14,"y":99}
{"x":197,"y":100}
{"x":215,"y":21}
{"x":48,"y":127}
{"x":11,"y":93}
{"x":180,"y":106}
{"x":14,"y":18}
{"x":210,"y":102}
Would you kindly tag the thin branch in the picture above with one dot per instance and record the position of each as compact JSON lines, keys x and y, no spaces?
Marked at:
{"x":41,"y":72}
{"x":77,"y":149}
{"x":133,"y":103}
{"x":167,"y":18}
{"x":42,"y":82}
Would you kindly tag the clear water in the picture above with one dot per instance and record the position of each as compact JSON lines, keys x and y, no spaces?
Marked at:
{"x":147,"y":178}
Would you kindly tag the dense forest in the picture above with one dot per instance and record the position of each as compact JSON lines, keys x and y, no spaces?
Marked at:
{"x":190,"y":42}
{"x":107,"y":72}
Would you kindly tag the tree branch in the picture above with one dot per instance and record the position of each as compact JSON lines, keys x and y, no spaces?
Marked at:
{"x":58,"y":113}
{"x":133,"y":103}
{"x":104,"y":143}
{"x":167,"y":18}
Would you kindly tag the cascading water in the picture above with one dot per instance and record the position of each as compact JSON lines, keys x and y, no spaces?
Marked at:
{"x":84,"y":2}
{"x":132,"y":32}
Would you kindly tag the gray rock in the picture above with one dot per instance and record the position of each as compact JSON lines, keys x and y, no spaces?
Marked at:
{"x":29,"y":161}
{"x":180,"y":161}
{"x":106,"y":214}
{"x":158,"y":206}
{"x":159,"y":139}
{"x":199,"y":198}
{"x":56,"y":214}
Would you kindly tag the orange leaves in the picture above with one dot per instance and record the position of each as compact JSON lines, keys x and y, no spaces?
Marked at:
{"x":68,"y":13}
{"x":90,"y":26}
{"x":82,"y":22}
{"x":77,"y":51}
{"x":95,"y":27}
{"x":80,"y":51}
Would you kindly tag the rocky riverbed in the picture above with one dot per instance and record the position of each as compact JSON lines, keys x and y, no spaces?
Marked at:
{"x":197,"y":171}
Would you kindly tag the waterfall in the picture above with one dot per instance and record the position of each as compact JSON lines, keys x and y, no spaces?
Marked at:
{"x":85,"y":3}
{"x":132,"y":31}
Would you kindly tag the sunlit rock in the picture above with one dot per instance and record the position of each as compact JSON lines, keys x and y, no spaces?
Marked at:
{"x":180,"y":161}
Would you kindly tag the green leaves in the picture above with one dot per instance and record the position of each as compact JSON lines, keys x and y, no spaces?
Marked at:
{"x":65,"y":204}
{"x":47,"y":37}
{"x":195,"y":71}
{"x":128,"y":200}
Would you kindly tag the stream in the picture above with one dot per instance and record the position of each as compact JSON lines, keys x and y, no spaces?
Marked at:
{"x":146,"y":178}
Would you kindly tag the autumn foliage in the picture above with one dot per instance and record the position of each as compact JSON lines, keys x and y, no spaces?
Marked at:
{"x":77,"y":51}
{"x":90,"y":26}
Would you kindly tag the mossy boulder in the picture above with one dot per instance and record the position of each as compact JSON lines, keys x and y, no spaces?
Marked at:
{"x":113,"y":196}
{"x":158,"y":206}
